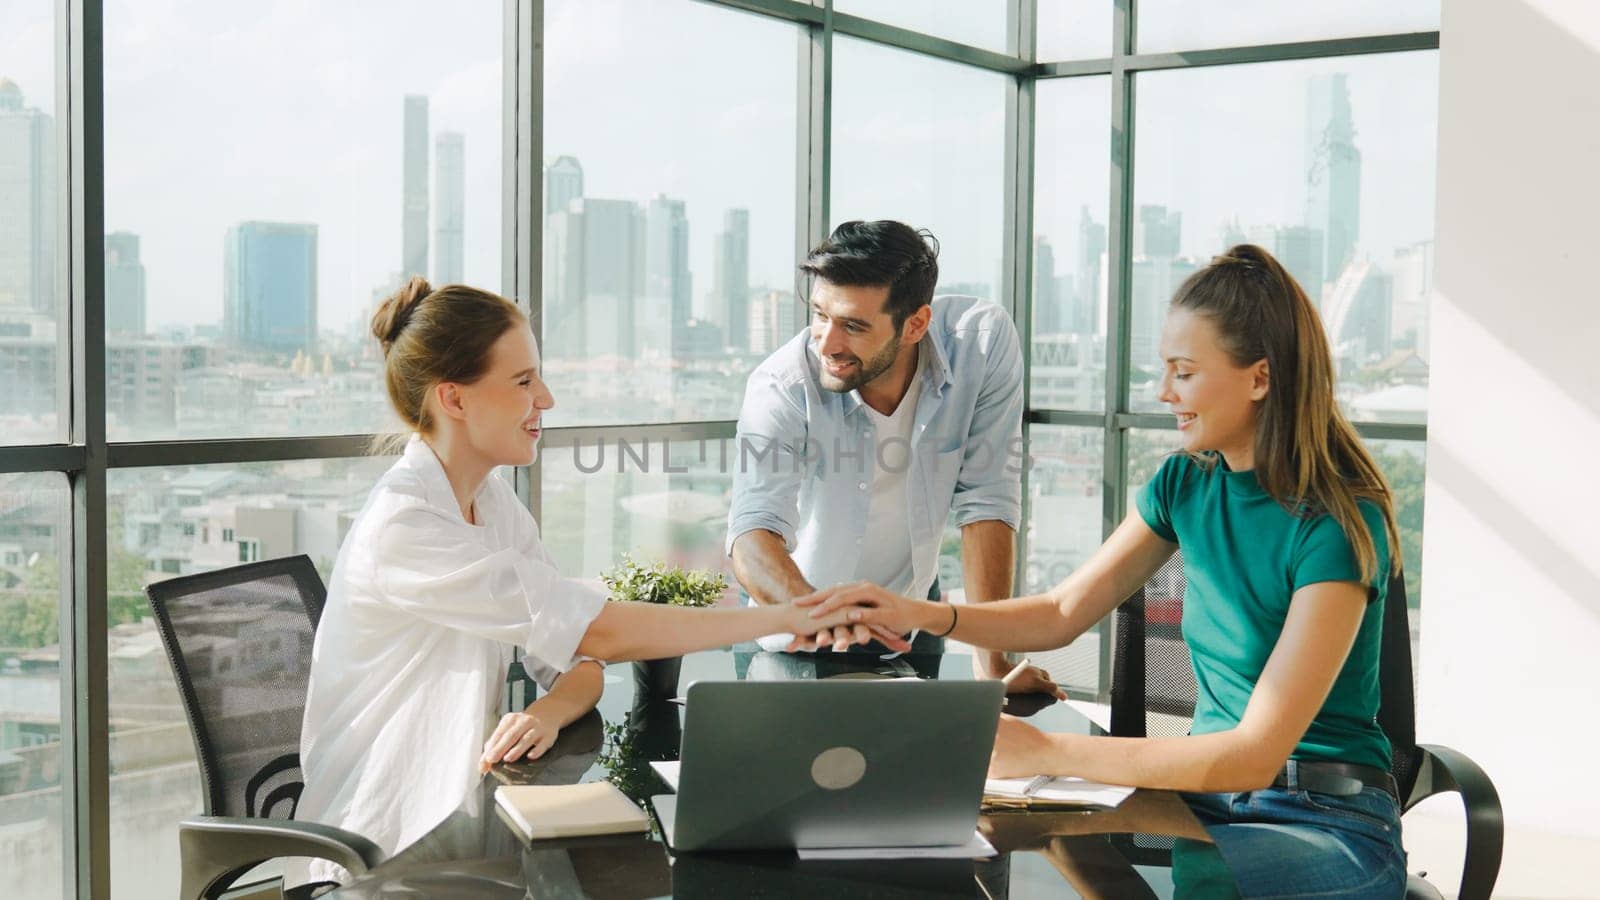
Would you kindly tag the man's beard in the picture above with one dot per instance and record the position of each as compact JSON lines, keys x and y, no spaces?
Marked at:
{"x":862,"y":372}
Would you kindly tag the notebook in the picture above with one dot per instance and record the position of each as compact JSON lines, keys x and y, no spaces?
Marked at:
{"x":1043,"y":792}
{"x":541,"y":811}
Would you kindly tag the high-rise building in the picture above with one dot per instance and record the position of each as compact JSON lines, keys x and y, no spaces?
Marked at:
{"x":1155,"y":280}
{"x":450,"y":203}
{"x":125,"y":310}
{"x":732,"y":264}
{"x":414,"y":197}
{"x":667,"y":280}
{"x":1299,"y":249}
{"x":1357,"y":313}
{"x":1333,"y":172}
{"x":1047,"y":307}
{"x":27,"y":205}
{"x":269,"y":294}
{"x":613,"y":277}
{"x":563,"y":183}
{"x":1090,"y":277}
{"x":1157,"y":232}
{"x":771,"y":321}
{"x":1412,"y":290}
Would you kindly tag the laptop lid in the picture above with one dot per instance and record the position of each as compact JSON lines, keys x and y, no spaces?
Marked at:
{"x":814,"y":764}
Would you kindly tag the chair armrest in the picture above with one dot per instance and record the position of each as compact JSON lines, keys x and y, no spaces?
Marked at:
{"x":1446,"y":770}
{"x":217,"y":849}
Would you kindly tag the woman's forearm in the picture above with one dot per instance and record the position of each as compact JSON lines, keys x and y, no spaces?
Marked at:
{"x":1021,"y":624}
{"x":626,"y":630}
{"x":574,"y":693}
{"x":1206,"y":763}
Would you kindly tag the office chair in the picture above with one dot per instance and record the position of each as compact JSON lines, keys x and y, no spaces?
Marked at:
{"x":1151,"y":673}
{"x":239,"y":641}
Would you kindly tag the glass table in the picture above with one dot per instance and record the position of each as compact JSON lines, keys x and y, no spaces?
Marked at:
{"x":1122,"y":852}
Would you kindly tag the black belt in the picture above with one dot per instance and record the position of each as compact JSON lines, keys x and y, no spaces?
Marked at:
{"x":1336,"y":778}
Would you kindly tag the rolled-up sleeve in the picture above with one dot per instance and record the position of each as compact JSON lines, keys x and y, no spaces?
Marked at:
{"x":766,"y":473}
{"x":990,"y":484}
{"x":437,"y":570}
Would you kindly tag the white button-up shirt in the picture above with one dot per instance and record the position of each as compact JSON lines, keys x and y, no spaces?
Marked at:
{"x":408,"y":671}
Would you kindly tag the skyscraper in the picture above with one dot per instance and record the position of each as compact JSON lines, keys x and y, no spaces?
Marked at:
{"x":27,"y":205}
{"x":1300,"y":250}
{"x":269,"y":293}
{"x":125,"y":310}
{"x":667,"y":278}
{"x":1047,"y":307}
{"x":1333,"y":172}
{"x":563,"y":183}
{"x":1091,"y":291}
{"x":449,"y":199}
{"x":414,"y":200}
{"x":1413,"y":288}
{"x":732,"y":264}
{"x":613,"y":276}
{"x":1157,"y":232}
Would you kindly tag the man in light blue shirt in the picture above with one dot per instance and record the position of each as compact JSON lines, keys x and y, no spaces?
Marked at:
{"x":860,"y":436}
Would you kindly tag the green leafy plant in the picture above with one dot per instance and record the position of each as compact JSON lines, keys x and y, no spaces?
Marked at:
{"x":658,"y":582}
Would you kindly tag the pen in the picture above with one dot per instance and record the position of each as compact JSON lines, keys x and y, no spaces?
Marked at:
{"x":1011,"y":676}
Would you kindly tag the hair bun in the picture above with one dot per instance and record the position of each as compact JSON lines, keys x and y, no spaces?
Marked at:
{"x":395,"y":311}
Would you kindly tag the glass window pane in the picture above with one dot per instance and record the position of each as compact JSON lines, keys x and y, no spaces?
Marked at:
{"x":669,"y":207}
{"x":1146,"y":450}
{"x":1195,"y":24}
{"x":907,"y":131}
{"x":239,"y":304}
{"x":1073,"y":29}
{"x":980,"y":23}
{"x":32,"y":346}
{"x":177,"y":521}
{"x":1064,"y":530}
{"x":1329,"y":165}
{"x":649,"y":496}
{"x":1405,"y":464}
{"x":33,"y":535}
{"x":1071,"y":182}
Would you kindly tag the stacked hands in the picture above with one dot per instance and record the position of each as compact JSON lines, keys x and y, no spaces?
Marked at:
{"x":836,"y":617}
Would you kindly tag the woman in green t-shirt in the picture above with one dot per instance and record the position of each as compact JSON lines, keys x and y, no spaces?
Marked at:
{"x":1288,"y":537}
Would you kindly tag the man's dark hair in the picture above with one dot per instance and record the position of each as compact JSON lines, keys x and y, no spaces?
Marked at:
{"x":880,"y":254}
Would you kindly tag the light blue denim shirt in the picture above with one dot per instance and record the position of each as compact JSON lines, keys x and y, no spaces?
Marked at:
{"x":802,"y":462}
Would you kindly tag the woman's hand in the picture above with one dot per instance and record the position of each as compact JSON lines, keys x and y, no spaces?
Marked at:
{"x":834,"y":629}
{"x":1021,"y":750}
{"x":527,"y":734}
{"x":865,"y":603}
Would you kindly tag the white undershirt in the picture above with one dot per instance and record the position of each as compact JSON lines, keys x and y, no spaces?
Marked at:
{"x":886,"y":552}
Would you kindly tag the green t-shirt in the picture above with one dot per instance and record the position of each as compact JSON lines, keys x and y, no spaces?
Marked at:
{"x":1244,"y":556}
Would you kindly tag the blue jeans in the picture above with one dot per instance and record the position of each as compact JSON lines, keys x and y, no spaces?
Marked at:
{"x":1283,"y":843}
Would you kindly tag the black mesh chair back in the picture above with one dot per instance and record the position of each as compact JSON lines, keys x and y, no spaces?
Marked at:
{"x":239,"y":641}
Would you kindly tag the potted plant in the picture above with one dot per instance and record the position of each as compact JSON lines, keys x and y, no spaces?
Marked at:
{"x":657,"y":582}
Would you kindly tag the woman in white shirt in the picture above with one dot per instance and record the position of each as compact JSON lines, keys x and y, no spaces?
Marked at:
{"x":443,"y":573}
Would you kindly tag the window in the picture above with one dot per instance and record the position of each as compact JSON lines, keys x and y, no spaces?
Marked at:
{"x":1073,"y":29}
{"x":905,"y":133}
{"x":669,"y":207}
{"x":1064,"y":506}
{"x":981,"y":23}
{"x":1071,"y":184}
{"x":33,"y":336}
{"x":1192,"y":24}
{"x":292,"y":507}
{"x":31,"y":756}
{"x":1329,"y":165}
{"x":241,"y":303}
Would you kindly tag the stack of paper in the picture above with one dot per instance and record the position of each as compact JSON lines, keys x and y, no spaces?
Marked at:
{"x":1042,"y":792}
{"x":540,"y":811}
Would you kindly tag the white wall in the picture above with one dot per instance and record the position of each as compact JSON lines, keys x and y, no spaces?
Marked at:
{"x":1510,"y":668}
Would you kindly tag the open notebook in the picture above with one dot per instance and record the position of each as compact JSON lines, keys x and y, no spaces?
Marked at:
{"x":1043,"y":792}
{"x":540,"y":811}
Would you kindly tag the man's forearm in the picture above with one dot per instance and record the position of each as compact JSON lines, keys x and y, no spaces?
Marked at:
{"x":766,"y":570}
{"x":988,"y":558}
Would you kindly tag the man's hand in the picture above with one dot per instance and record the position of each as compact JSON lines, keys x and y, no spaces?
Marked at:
{"x":1020,"y":750}
{"x":527,"y":734}
{"x":834,"y":629}
{"x":866,"y":604}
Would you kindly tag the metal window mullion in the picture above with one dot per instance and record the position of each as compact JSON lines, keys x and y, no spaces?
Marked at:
{"x":85,"y":711}
{"x":927,"y":45}
{"x":813,"y":149}
{"x":1017,"y":243}
{"x":1119,"y":269}
{"x":42,"y":458}
{"x":522,"y":167}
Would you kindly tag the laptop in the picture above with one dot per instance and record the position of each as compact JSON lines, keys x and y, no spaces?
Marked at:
{"x":827,"y":764}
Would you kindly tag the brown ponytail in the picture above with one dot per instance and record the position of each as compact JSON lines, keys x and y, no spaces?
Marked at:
{"x":431,"y":336}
